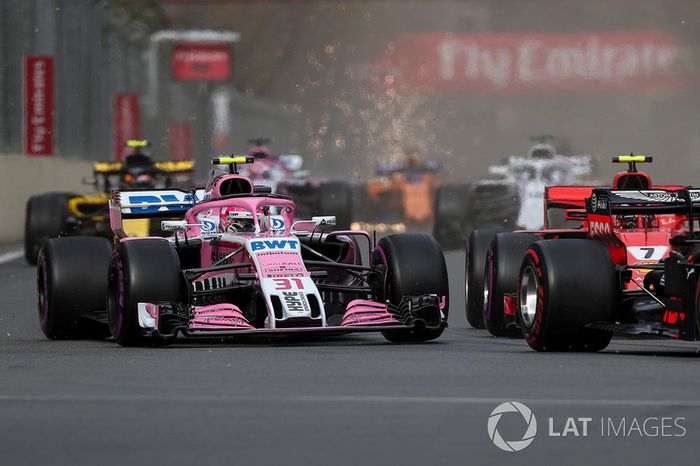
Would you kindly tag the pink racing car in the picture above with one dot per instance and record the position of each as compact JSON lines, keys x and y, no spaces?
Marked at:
{"x":237,"y":264}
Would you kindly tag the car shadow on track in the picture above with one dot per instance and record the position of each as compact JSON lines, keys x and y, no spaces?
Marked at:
{"x":689,"y":353}
{"x":286,"y":341}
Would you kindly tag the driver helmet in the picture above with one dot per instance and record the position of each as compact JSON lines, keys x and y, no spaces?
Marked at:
{"x":260,"y":152}
{"x":542,"y":151}
{"x":144,"y":180}
{"x":137,"y":172}
{"x":237,"y":221}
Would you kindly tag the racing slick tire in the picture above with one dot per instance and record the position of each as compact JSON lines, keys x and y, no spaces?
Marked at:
{"x":335,"y":198}
{"x":478,"y":245}
{"x":45,"y":218}
{"x":565,"y":284}
{"x":415,"y":265}
{"x":72,"y":282}
{"x":501,"y":268}
{"x":141,"y":270}
{"x":451,"y":214}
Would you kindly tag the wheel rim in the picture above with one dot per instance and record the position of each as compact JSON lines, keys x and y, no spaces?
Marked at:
{"x":528,"y":299}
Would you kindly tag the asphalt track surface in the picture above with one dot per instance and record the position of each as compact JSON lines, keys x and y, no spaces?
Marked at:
{"x":355,"y":400}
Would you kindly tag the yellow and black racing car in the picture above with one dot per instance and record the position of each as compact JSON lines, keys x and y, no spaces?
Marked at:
{"x":55,"y":214}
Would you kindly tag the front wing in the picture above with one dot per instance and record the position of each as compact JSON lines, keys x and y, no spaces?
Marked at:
{"x":226,"y":320}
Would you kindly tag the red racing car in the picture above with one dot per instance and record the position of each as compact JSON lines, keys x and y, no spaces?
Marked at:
{"x":491,"y":287}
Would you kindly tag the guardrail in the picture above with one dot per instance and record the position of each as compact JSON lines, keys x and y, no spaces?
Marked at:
{"x":22,"y":177}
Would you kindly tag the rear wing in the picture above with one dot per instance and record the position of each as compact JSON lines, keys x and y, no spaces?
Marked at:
{"x":150,"y":203}
{"x":388,"y":169}
{"x":163,"y":166}
{"x":566,"y":197}
{"x":179,"y":166}
{"x":647,"y":201}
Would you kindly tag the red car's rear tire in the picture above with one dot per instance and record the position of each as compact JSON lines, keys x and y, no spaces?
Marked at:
{"x":565,"y":284}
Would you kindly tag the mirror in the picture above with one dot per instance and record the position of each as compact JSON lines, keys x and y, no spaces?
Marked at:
{"x":323,"y":220}
{"x":174,"y":225}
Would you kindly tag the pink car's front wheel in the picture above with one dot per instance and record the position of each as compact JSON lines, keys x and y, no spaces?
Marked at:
{"x":141,"y":270}
{"x":415,"y":266}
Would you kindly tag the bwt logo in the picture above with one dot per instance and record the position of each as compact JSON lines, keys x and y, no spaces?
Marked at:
{"x":276,"y":224}
{"x":274,"y":244}
{"x":208,"y":226}
{"x":521,"y":410}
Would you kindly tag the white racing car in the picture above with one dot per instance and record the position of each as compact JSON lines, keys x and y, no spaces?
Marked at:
{"x":511,"y":196}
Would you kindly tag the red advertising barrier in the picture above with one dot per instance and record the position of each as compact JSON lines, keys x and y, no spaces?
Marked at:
{"x":201,"y":62}
{"x":127,"y":123}
{"x":38,"y":105}
{"x":180,"y":141}
{"x":521,"y":63}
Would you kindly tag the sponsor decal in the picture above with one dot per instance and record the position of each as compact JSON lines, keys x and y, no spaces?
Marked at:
{"x":533,"y":62}
{"x":295,"y":301}
{"x":201,"y":62}
{"x":208,"y":226}
{"x":599,"y":203}
{"x":600,"y":229}
{"x":658,"y":196}
{"x":261,"y":245}
{"x":153,"y":197}
{"x":38,"y":105}
{"x":127,"y":123}
{"x":277,"y":223}
{"x":281,"y":267}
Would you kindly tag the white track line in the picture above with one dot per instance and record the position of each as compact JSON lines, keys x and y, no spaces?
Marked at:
{"x":344,"y":399}
{"x":10,"y":256}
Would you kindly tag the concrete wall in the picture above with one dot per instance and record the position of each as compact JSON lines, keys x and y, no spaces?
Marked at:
{"x":22,"y":177}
